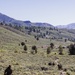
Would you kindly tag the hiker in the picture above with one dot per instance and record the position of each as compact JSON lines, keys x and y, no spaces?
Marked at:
{"x":8,"y":70}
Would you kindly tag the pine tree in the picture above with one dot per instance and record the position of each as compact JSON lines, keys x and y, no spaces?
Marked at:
{"x":48,"y":50}
{"x":25,"y":47}
{"x":60,"y":50}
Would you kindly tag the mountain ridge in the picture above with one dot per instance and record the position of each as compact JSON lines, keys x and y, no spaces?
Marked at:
{"x":68,"y":26}
{"x":8,"y":20}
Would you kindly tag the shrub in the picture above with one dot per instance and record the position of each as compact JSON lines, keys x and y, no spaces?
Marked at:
{"x":25,"y":48}
{"x":59,"y":67}
{"x":60,"y":50}
{"x":44,"y":68}
{"x":65,"y":40}
{"x":48,"y":50}
{"x":22,"y":43}
{"x":1,"y":23}
{"x":65,"y":69}
{"x":51,"y":63}
{"x":34,"y":48}
{"x":15,"y":51}
{"x":25,"y":40}
{"x":19,"y":44}
{"x":51,"y":45}
{"x":72,"y":49}
{"x":37,"y":38}
{"x":32,"y":52}
{"x":68,"y":73}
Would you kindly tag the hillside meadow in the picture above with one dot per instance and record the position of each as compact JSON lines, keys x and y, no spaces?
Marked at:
{"x":25,"y":63}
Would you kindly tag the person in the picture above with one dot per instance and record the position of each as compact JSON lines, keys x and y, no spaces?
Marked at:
{"x":8,"y":70}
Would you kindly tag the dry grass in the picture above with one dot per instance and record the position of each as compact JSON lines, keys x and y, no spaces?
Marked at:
{"x":28,"y":64}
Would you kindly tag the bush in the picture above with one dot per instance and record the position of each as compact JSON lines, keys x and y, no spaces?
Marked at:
{"x":68,"y":73}
{"x":32,"y":52}
{"x":72,"y":49}
{"x":37,"y":38}
{"x":22,"y":43}
{"x":51,"y":63}
{"x":15,"y":51}
{"x":65,"y":40}
{"x":51,"y":45}
{"x":60,"y":50}
{"x":44,"y":68}
{"x":25,"y":48}
{"x":65,"y":69}
{"x":25,"y":40}
{"x":48,"y":50}
{"x":59,"y":67}
{"x":34,"y":48}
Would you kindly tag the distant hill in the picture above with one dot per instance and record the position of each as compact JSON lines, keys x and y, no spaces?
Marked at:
{"x":7,"y":19}
{"x":69,"y":26}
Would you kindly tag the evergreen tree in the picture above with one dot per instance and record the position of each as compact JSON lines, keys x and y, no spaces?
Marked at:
{"x":48,"y":50}
{"x":60,"y":50}
{"x":52,"y":45}
{"x":34,"y":48}
{"x":25,"y":47}
{"x":72,"y":49}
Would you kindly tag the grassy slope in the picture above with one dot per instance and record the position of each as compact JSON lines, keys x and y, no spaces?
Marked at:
{"x":26,"y":63}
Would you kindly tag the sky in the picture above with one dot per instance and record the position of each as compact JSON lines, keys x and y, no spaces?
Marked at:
{"x":55,"y":12}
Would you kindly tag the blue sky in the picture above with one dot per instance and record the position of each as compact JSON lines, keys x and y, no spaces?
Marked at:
{"x":55,"y":12}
